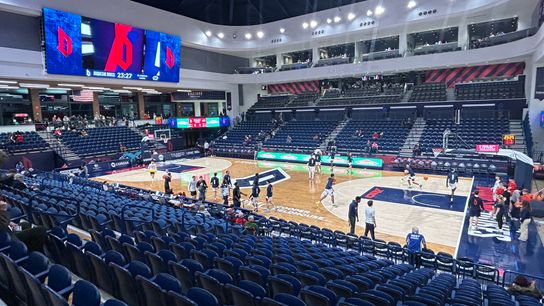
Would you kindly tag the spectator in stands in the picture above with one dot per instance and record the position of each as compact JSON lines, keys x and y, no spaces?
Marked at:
{"x":522,"y":286}
{"x":416,"y":151}
{"x":353,"y":214}
{"x":33,"y":237}
{"x":19,"y":182}
{"x":57,"y":133}
{"x":250,"y":226}
{"x":316,"y":137}
{"x":19,"y":167}
{"x":206,"y":148}
{"x":375,"y":135}
{"x":375,"y":147}
{"x":122,"y":147}
{"x":289,"y":139}
{"x":240,"y":220}
{"x":12,"y":138}
{"x":83,"y":133}
{"x":414,"y":243}
{"x":368,"y":147}
{"x":370,"y":220}
{"x":525,"y":218}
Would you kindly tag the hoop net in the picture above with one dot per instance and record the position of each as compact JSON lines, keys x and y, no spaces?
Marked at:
{"x":437,"y":151}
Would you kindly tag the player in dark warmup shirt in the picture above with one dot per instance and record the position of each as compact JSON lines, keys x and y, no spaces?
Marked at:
{"x":254,"y":198}
{"x":412,"y":177}
{"x":269,"y":194}
{"x":214,"y":181}
{"x":350,"y":161}
{"x":451,"y":182}
{"x":329,"y":191}
{"x":318,"y":161}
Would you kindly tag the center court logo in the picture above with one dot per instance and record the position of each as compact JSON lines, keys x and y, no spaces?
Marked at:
{"x":373,"y":193}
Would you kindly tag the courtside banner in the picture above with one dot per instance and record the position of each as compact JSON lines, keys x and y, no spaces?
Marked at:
{"x":339,"y":160}
{"x":487,"y":148}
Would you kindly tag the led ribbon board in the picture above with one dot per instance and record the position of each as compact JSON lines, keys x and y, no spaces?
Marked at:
{"x":363,"y":162}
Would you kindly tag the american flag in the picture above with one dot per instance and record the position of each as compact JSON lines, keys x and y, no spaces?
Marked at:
{"x":83,"y":96}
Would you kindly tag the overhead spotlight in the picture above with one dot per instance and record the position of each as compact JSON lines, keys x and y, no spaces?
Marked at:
{"x":369,"y":13}
{"x":351,"y":16}
{"x":248,"y":36}
{"x":329,"y":20}
{"x":220,"y":35}
{"x":67,"y":85}
{"x":313,"y":24}
{"x":282,"y":30}
{"x":260,"y":34}
{"x":379,"y":10}
{"x":305,"y":25}
{"x":8,"y":82}
{"x":411,"y":4}
{"x":208,"y":33}
{"x":337,"y":19}
{"x":33,"y":85}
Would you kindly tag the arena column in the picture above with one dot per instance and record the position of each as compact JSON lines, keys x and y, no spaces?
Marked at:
{"x":141,"y":105}
{"x":36,"y":104}
{"x":96,"y":105}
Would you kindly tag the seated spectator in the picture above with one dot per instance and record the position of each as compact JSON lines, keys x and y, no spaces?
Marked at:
{"x":375,"y":147}
{"x":122,"y":147}
{"x":522,"y":286}
{"x":240,"y":220}
{"x":316,"y":137}
{"x":83,"y":133}
{"x":375,"y":135}
{"x":231,"y":216}
{"x":12,"y":138}
{"x":57,"y":133}
{"x":416,"y":150}
{"x":250,"y":226}
{"x":289,"y":139}
{"x":33,"y":237}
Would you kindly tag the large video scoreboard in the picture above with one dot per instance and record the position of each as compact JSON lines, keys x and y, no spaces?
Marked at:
{"x":78,"y":45}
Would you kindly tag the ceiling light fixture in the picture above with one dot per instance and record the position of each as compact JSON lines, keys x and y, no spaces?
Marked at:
{"x":58,"y":88}
{"x":10,"y":87}
{"x":351,"y":16}
{"x":313,"y":24}
{"x":329,"y":20}
{"x":282,"y":30}
{"x":208,"y":33}
{"x":220,"y":35}
{"x":33,"y":85}
{"x":184,"y":90}
{"x":248,"y":35}
{"x":411,"y":4}
{"x":70,"y":85}
{"x":379,"y":10}
{"x":132,"y":88}
{"x":337,"y":19}
{"x":7,"y":82}
{"x":305,"y":25}
{"x":260,"y":34}
{"x":369,"y":13}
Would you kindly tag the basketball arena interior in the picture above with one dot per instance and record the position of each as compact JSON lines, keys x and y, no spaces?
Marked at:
{"x":271,"y":152}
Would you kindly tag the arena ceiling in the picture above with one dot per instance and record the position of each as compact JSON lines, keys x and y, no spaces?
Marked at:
{"x":244,"y":12}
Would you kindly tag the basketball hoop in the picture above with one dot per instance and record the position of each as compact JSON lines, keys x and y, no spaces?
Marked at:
{"x":437,"y":151}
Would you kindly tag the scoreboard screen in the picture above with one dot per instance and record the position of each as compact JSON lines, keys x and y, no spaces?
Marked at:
{"x":78,"y":45}
{"x":509,"y":140}
{"x":198,"y":122}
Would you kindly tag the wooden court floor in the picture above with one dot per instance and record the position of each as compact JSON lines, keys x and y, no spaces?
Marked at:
{"x":296,"y":197}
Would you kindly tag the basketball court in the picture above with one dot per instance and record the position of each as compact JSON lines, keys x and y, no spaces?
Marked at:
{"x":398,"y":207}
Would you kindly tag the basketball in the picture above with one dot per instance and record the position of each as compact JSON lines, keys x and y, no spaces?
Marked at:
{"x":425,"y":178}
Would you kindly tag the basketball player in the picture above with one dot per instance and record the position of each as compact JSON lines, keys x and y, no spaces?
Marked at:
{"x":214,"y":181}
{"x":350,"y":161}
{"x":329,"y":191}
{"x":311,"y":167}
{"x":237,"y":195}
{"x":227,"y":180}
{"x":318,"y":161}
{"x":202,"y":187}
{"x":451,"y":182}
{"x":152,"y":167}
{"x":269,"y":191}
{"x":225,"y":194}
{"x":412,"y":177}
{"x":254,"y":198}
{"x":192,"y":187}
